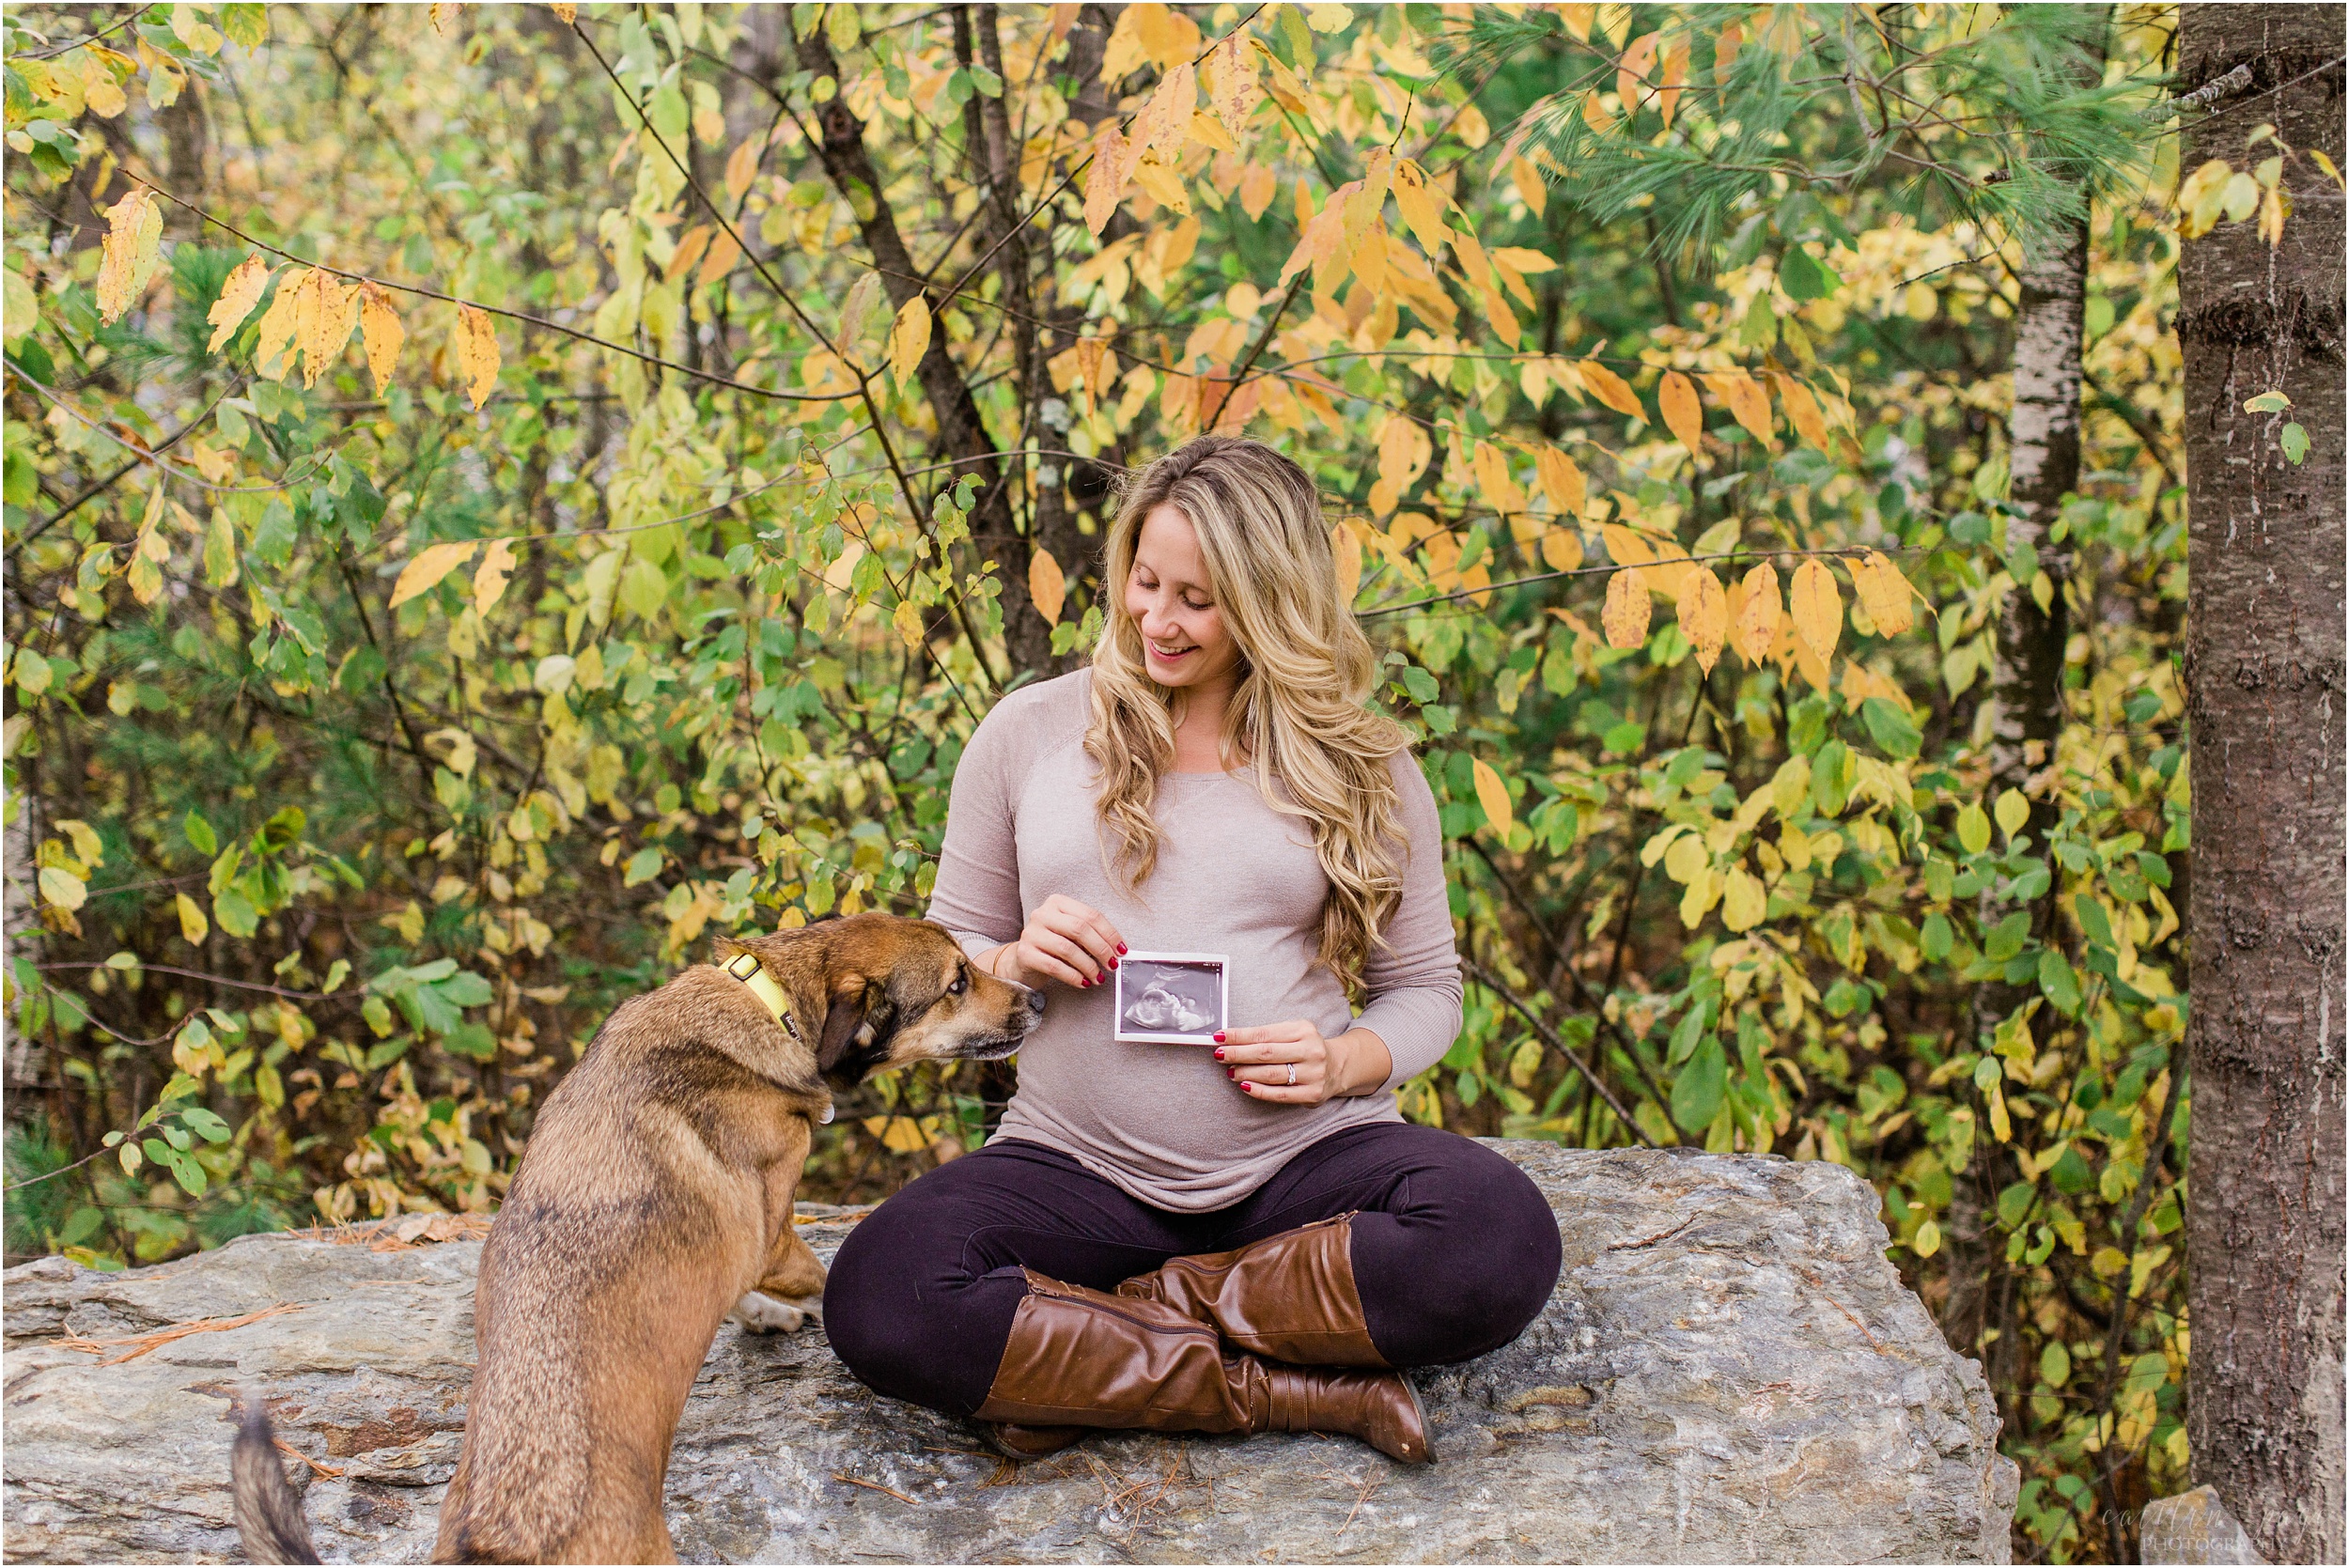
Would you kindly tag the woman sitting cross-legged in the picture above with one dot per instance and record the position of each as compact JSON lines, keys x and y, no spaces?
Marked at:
{"x":1242,"y":1238}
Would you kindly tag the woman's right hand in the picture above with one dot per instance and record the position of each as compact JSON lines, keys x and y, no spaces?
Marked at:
{"x":1063,"y":941}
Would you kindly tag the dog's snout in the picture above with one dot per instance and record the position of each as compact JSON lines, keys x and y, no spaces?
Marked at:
{"x":1035,"y":1004}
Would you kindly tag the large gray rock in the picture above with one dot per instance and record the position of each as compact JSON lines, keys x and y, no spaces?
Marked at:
{"x":1730,"y":1371}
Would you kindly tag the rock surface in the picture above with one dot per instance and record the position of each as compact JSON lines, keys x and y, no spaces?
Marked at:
{"x":2192,"y":1527}
{"x":1730,"y":1371}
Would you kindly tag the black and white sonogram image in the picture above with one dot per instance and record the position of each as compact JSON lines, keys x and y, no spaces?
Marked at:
{"x":1171,"y":997}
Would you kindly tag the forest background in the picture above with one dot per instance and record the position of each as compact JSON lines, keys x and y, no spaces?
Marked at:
{"x":498,"y":496}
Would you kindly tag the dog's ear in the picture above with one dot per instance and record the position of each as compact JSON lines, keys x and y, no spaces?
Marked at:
{"x":860,"y":1014}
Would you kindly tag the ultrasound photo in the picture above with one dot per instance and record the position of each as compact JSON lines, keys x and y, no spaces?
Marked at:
{"x":1171,"y":997}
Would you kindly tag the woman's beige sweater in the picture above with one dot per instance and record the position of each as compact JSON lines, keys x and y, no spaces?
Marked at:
{"x":1233,"y":877}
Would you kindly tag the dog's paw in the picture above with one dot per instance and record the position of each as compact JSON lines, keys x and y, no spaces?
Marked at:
{"x":763,"y":1314}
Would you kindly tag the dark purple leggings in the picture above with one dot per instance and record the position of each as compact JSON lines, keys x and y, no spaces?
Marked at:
{"x":1454,"y":1251}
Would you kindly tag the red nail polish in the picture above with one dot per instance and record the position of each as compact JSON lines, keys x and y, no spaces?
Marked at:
{"x":1219,"y":1053}
{"x":1232,"y":1072}
{"x":1219,"y":1040}
{"x":1121,"y":948}
{"x":1112,"y":963}
{"x":1084,"y":985}
{"x":1248,"y":1087}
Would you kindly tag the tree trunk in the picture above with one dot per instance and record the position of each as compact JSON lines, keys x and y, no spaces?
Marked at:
{"x":2263,"y":667}
{"x":2026,"y":691}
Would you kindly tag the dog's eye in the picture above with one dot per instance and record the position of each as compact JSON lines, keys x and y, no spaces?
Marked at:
{"x":962,"y":983}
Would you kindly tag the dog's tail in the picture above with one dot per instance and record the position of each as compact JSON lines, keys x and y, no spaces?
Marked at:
{"x":269,"y":1510}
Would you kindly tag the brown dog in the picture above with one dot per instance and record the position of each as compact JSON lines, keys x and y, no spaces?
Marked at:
{"x":654,"y":1200}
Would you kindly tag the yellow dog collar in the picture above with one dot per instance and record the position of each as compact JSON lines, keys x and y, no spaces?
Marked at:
{"x":746,"y":967}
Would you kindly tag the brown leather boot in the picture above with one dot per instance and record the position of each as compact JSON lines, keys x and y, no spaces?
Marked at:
{"x":1086,"y":1359}
{"x":1290,"y":1297}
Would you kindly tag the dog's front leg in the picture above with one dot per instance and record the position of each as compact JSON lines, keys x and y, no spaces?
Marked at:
{"x":761,"y":1313}
{"x":790,"y":1290}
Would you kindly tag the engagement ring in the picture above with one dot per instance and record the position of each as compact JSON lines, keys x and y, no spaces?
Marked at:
{"x":1292,"y":1075}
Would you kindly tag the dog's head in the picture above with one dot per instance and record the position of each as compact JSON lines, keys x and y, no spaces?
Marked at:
{"x":892,"y":992}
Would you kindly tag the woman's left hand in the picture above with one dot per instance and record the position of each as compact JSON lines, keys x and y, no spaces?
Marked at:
{"x":1291,"y":1063}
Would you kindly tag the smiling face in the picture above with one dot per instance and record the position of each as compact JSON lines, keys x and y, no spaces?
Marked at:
{"x":1185,"y":641}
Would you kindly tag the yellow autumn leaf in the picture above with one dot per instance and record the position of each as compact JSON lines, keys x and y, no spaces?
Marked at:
{"x":726,"y":252}
{"x":1561,"y":550}
{"x":1747,"y":400}
{"x":428,"y":566}
{"x":690,"y":247}
{"x":1631,"y":69}
{"x":238,"y":296}
{"x":1561,"y":481}
{"x":274,"y":338}
{"x":742,"y":167}
{"x":565,"y":12}
{"x":1345,"y":555}
{"x":1165,"y":119}
{"x":908,"y":340}
{"x":1234,"y":93}
{"x":1491,"y":467}
{"x":1105,"y":175}
{"x":1422,"y":205}
{"x":1676,"y":399}
{"x":1257,"y":187}
{"x":1626,"y":613}
{"x":1164,"y":185}
{"x":132,"y":251}
{"x":1610,"y":389}
{"x":1704,"y":615}
{"x":1675,"y":79}
{"x":1744,"y":900}
{"x":1817,"y":609}
{"x":1530,"y":187}
{"x":1802,"y":410}
{"x":61,"y":888}
{"x":329,"y":327}
{"x":488,"y":579}
{"x":476,"y":353}
{"x":1047,"y":586}
{"x":1493,"y":796}
{"x":1758,"y":614}
{"x":379,"y":329}
{"x":193,"y":924}
{"x":1884,"y":591}
{"x":907,"y":621}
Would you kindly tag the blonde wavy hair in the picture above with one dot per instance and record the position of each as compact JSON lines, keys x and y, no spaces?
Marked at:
{"x":1300,"y":714}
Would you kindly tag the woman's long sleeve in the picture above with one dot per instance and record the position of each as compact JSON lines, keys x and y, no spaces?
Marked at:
{"x":976,"y":895}
{"x":1413,"y":977}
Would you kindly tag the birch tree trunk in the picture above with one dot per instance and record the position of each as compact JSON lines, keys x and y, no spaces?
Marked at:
{"x":2026,"y":692}
{"x":2264,"y":660}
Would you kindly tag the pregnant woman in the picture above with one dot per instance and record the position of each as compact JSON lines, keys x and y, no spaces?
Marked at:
{"x":1247,"y":1237}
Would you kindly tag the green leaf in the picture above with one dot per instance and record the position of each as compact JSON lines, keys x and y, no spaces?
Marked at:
{"x":1890,"y":728}
{"x":1698,"y":1091}
{"x":1935,"y":938}
{"x":2092,"y":923}
{"x":2012,"y":811}
{"x":234,"y":914}
{"x":205,"y":1124}
{"x":1685,"y":1038}
{"x":1804,"y":276}
{"x":472,"y":1040}
{"x":643,"y":866}
{"x":2267,"y":402}
{"x":2061,"y":986}
{"x":2295,"y":441}
{"x":466,"y":989}
{"x":2006,"y":938}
